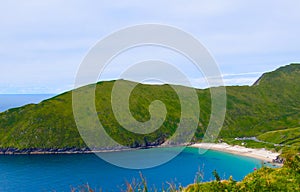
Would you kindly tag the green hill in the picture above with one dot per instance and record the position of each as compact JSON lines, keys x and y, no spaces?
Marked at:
{"x":272,"y":103}
{"x":282,"y":137}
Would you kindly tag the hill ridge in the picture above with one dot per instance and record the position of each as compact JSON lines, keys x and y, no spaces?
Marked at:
{"x":251,"y":111}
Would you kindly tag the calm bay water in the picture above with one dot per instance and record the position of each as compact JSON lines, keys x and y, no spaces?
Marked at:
{"x":61,"y":172}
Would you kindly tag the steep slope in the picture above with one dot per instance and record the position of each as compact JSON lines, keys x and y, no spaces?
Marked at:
{"x":270,"y":104}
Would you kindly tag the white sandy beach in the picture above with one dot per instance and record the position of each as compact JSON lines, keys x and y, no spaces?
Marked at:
{"x":262,"y":154}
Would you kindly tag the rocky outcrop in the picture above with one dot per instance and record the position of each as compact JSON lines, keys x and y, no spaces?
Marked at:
{"x":15,"y":151}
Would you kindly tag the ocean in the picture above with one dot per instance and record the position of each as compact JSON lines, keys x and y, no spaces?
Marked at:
{"x":66,"y":171}
{"x":8,"y":101}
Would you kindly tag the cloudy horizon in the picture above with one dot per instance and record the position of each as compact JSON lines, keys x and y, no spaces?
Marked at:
{"x":43,"y":43}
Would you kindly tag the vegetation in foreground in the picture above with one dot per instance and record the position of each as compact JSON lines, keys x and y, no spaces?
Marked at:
{"x":286,"y":178}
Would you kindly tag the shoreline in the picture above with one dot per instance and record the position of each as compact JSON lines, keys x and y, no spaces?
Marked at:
{"x":261,"y":154}
{"x":75,"y":150}
{"x":41,"y":151}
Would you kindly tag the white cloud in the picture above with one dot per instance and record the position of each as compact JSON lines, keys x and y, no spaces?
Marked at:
{"x":241,"y":74}
{"x":45,"y":41}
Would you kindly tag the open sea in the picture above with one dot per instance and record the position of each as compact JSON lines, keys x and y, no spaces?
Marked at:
{"x":8,"y":101}
{"x":66,"y":171}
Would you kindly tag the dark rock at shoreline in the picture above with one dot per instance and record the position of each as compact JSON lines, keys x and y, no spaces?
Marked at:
{"x":14,"y":151}
{"x":73,"y":150}
{"x":278,"y":160}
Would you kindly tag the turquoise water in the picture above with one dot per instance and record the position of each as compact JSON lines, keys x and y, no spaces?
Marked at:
{"x":61,"y":172}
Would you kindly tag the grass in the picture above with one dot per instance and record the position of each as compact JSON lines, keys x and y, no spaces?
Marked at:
{"x":284,"y":141}
{"x":251,"y":111}
{"x":286,"y":178}
{"x":286,"y":137}
{"x":249,"y":143}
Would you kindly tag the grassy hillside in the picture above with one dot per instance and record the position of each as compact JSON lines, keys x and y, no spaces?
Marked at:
{"x":272,"y":103}
{"x":287,"y":141}
{"x":283,"y":137}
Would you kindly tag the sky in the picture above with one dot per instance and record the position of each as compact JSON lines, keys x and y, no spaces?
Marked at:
{"x":42,"y":43}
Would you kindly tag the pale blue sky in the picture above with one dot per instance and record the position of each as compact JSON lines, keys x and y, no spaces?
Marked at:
{"x":42,"y":43}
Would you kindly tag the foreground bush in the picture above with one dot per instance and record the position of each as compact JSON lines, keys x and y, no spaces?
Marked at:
{"x":286,"y":178}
